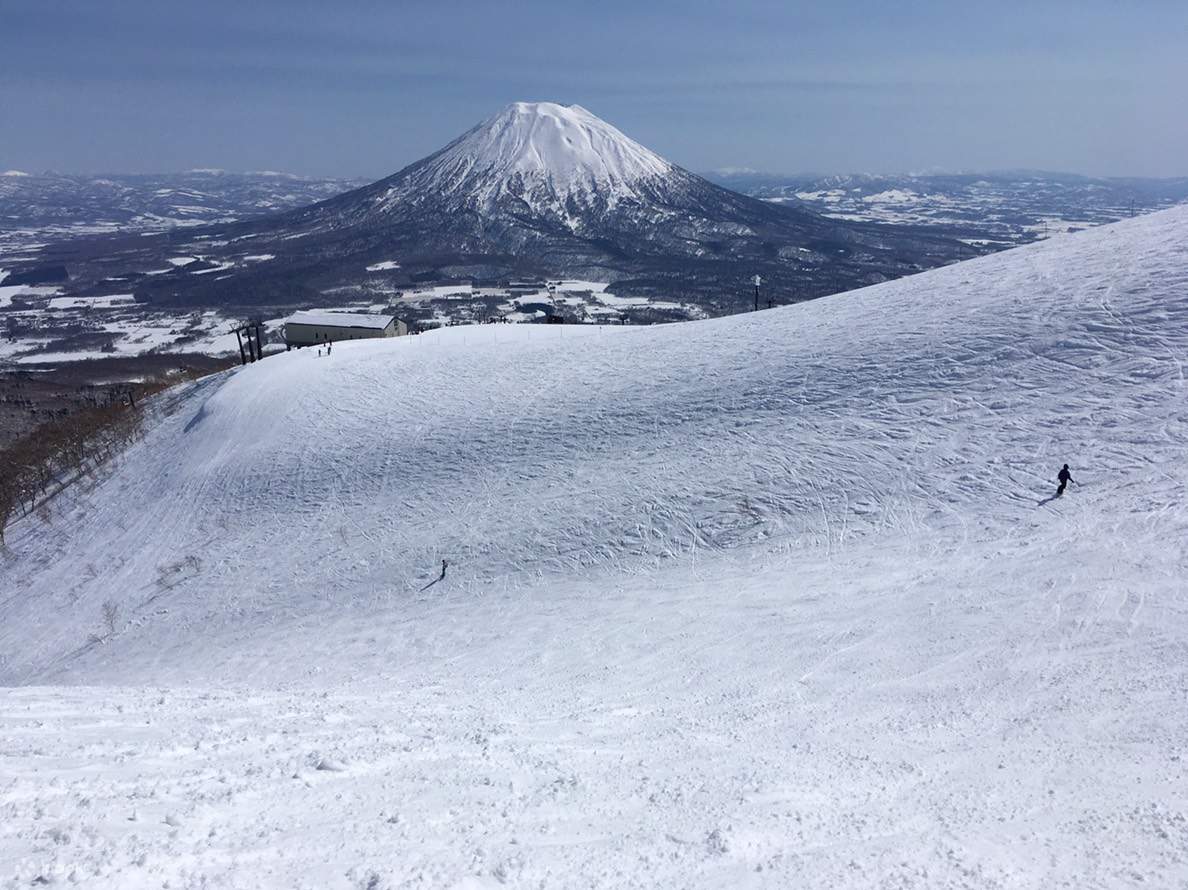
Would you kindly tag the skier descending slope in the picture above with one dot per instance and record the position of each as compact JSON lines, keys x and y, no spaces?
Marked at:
{"x":438,"y":579}
{"x":1063,"y":477}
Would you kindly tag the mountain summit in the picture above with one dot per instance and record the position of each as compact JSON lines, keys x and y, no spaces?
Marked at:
{"x":538,"y":190}
{"x":555,"y":160}
{"x":564,"y":145}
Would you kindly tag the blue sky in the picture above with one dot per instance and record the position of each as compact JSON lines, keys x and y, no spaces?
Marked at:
{"x":363,"y":88}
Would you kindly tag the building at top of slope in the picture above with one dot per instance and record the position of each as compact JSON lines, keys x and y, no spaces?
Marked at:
{"x":316,"y":326}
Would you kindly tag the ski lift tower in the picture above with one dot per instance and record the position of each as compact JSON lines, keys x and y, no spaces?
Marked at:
{"x":250,"y":333}
{"x":757,"y":281}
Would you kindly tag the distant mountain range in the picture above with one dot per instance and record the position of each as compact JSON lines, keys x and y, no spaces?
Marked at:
{"x":78,"y":204}
{"x":537,"y":191}
{"x":1000,"y":208}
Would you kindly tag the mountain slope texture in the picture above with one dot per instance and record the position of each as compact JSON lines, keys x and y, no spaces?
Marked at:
{"x":781,"y":599}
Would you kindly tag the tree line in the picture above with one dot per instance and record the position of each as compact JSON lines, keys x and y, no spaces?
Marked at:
{"x":40,"y":463}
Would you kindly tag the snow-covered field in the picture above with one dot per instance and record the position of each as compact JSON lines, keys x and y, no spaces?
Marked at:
{"x":7,"y":292}
{"x":48,"y":318}
{"x":115,"y":320}
{"x":579,"y":301}
{"x":776,"y":600}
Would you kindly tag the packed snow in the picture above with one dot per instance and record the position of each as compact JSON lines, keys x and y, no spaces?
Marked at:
{"x":342,"y":319}
{"x":217,"y":267}
{"x":570,"y":285}
{"x":781,"y":599}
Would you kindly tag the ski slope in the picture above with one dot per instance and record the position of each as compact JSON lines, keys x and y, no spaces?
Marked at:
{"x":774,"y":600}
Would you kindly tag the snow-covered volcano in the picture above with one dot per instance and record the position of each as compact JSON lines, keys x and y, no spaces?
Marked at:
{"x":539,"y":190}
{"x":538,"y":163}
{"x":775,"y":600}
{"x":534,"y":147}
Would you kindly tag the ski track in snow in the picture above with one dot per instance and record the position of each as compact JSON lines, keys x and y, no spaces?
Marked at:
{"x":775,"y":600}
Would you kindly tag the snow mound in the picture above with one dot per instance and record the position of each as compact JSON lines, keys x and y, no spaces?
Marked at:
{"x":782,"y":599}
{"x":383,"y":266}
{"x":910,"y":410}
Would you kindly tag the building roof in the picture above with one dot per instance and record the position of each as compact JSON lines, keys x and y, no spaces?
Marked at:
{"x":327,"y":318}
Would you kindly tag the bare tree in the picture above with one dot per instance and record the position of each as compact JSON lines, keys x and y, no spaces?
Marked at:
{"x":111,"y":615}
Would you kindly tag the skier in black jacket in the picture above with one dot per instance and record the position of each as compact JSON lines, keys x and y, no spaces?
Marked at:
{"x":1063,"y":477}
{"x":439,"y":578}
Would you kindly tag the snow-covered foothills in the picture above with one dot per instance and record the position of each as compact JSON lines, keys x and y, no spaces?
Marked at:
{"x":773,"y":600}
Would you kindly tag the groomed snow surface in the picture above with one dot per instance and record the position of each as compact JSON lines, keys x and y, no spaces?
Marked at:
{"x":777,"y":600}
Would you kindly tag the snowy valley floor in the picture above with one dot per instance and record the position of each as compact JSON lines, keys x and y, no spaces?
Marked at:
{"x":779,"y":601}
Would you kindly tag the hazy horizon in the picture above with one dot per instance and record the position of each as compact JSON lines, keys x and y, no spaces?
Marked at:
{"x":1072,"y":87}
{"x":717,"y":171}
